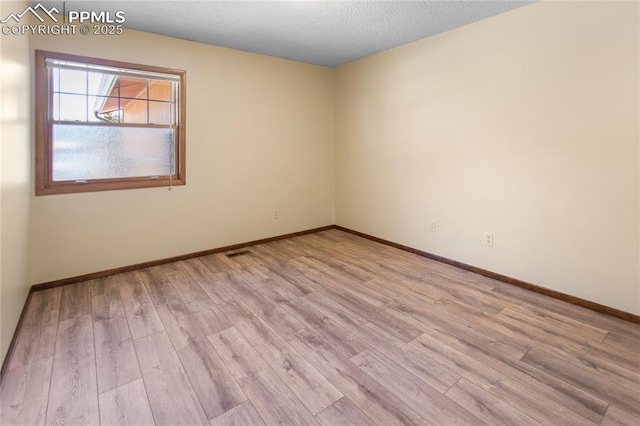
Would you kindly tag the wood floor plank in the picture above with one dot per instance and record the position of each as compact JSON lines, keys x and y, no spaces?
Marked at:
{"x":622,"y":357}
{"x":219,"y":288}
{"x":249,"y":269}
{"x":541,"y":394}
{"x":467,"y":278}
{"x":479,"y":300}
{"x":238,"y":354}
{"x":171,"y":396}
{"x":428,"y":317}
{"x":340,"y":260}
{"x":371,"y":292}
{"x":127,"y":404}
{"x":422,"y":278}
{"x":382,"y":406}
{"x":391,"y":290}
{"x":511,"y":338}
{"x":73,"y":396}
{"x":339,"y":338}
{"x":116,"y":360}
{"x":621,"y":396}
{"x":284,"y":248}
{"x":338,"y":313}
{"x":217,"y":390}
{"x":343,"y":412}
{"x":622,"y":341}
{"x":271,"y":259}
{"x":620,"y":348}
{"x":51,"y":298}
{"x":410,"y":288}
{"x":618,"y":417}
{"x":294,"y":283}
{"x":272,"y":399}
{"x":485,"y":406}
{"x":212,"y":320}
{"x":597,"y":366}
{"x":381,"y":317}
{"x":193,"y":296}
{"x":205,"y":279}
{"x":517,"y":388}
{"x":180,"y":324}
{"x":216,"y":263}
{"x":559,"y":307}
{"x":273,"y":291}
{"x":211,"y":380}
{"x":425,"y":400}
{"x":141,"y":314}
{"x":413,"y":360}
{"x":541,"y":331}
{"x":275,"y":401}
{"x":25,"y":393}
{"x":158,"y":286}
{"x":542,"y":318}
{"x":348,"y":260}
{"x":75,"y":300}
{"x":277,"y":318}
{"x":302,"y":273}
{"x":411,"y":275}
{"x":37,"y":337}
{"x":343,"y":283}
{"x":315,"y":392}
{"x":243,"y":414}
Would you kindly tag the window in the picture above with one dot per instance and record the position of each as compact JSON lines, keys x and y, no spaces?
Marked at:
{"x":105,"y":125}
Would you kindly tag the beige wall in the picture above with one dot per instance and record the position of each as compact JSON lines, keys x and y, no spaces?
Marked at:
{"x":259,"y":138}
{"x":524,"y":125}
{"x":16,"y":187}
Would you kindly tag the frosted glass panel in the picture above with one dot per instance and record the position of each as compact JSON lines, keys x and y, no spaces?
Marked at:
{"x":103,"y":152}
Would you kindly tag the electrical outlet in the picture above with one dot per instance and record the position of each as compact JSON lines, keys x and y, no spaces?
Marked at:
{"x":488,"y":239}
{"x":432,"y":226}
{"x":276,"y":214}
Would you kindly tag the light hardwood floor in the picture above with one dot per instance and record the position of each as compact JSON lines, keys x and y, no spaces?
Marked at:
{"x":326,"y":328}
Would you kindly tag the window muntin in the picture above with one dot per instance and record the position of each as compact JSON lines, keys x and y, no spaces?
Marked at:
{"x":107,"y":125}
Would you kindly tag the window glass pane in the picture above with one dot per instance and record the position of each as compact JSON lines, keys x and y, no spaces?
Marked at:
{"x":134,"y":112}
{"x":160,"y":90}
{"x":94,"y":106}
{"x":72,"y":107}
{"x":108,"y":109}
{"x":102,"y":84}
{"x":73,"y":81}
{"x":102,"y":152}
{"x":160,"y":113}
{"x":133,"y":88}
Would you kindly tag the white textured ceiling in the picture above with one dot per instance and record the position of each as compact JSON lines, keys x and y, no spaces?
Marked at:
{"x":327,"y":33}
